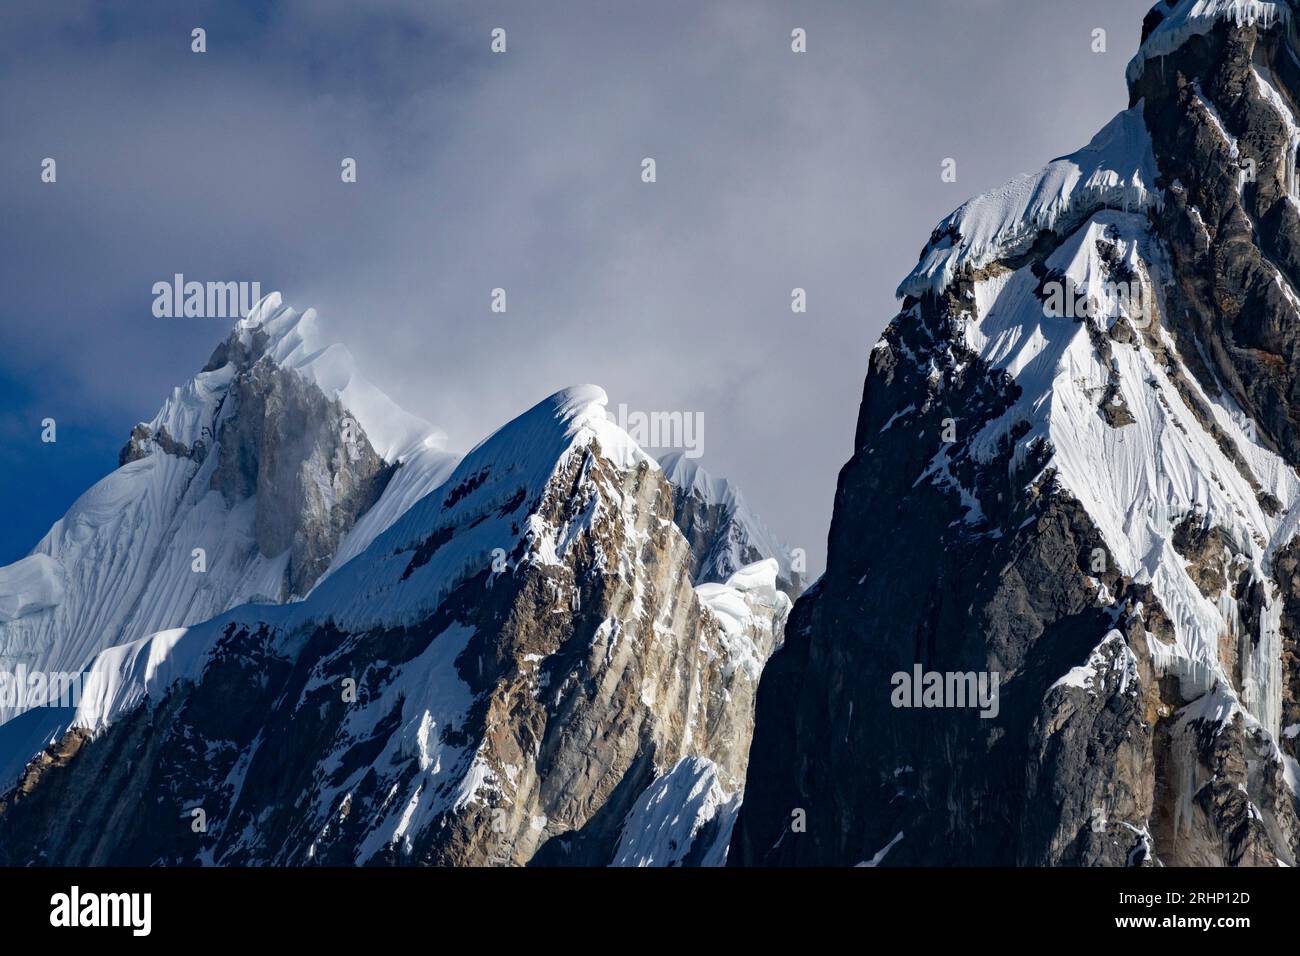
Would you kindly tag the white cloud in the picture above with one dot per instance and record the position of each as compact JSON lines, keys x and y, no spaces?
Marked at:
{"x":775,"y":170}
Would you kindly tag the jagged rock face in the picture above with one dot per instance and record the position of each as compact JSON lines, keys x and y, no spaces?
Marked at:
{"x":899,"y":590}
{"x":495,"y":681}
{"x":1220,"y":110}
{"x":309,"y":475}
{"x":1091,"y":504}
{"x":713,"y":537}
{"x":1286,"y":569}
{"x":143,"y":441}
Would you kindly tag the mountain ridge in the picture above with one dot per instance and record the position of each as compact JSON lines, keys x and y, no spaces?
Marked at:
{"x":525,"y":653}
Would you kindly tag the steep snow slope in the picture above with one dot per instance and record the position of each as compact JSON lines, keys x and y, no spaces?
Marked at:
{"x":30,"y":585}
{"x":240,"y":488}
{"x":684,"y":818}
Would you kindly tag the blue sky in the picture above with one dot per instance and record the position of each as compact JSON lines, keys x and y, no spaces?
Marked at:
{"x":520,"y":171}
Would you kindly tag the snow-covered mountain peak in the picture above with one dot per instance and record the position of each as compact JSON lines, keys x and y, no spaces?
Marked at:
{"x":726,"y":534}
{"x":250,"y":483}
{"x":295,"y":341}
{"x":1081,"y":429}
{"x":1114,"y":171}
{"x":494,"y":502}
{"x":688,"y":474}
{"x":525,"y":640}
{"x":1171,"y":23}
{"x":572,"y":416}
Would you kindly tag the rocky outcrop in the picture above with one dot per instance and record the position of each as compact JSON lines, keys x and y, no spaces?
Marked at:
{"x":143,"y":442}
{"x":1221,"y":110}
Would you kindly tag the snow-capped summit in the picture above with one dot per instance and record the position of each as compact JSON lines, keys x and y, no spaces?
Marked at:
{"x":1114,"y":171}
{"x":253,"y":477}
{"x":294,"y":341}
{"x":1171,"y":23}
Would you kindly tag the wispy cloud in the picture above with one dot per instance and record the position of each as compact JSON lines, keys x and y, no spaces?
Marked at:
{"x":521,"y":171}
